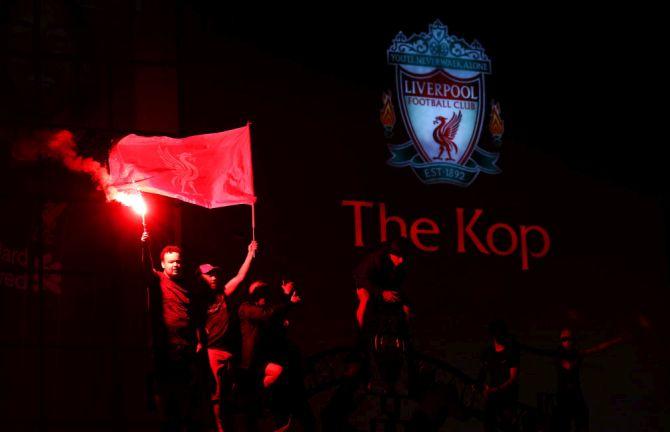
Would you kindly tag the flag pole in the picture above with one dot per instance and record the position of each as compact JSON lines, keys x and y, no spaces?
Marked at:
{"x":144,"y":222}
{"x":253,"y":204}
{"x":253,"y":221}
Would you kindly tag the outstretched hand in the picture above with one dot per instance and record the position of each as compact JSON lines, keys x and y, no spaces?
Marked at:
{"x":295,"y":298}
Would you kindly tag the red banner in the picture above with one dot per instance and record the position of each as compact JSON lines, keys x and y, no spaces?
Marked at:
{"x":211,"y":170}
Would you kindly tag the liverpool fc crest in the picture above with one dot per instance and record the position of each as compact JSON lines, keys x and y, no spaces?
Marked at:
{"x":441,"y":94}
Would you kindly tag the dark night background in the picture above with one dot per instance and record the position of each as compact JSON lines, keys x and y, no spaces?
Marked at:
{"x":583,"y":156}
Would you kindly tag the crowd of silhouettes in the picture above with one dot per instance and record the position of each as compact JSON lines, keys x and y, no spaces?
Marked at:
{"x":254,"y":379}
{"x":254,"y":368}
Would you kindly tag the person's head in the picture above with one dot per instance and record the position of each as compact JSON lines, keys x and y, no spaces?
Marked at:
{"x":171,"y":261}
{"x":259,"y":291}
{"x":498,"y":332}
{"x":210,"y":274}
{"x":398,"y":250}
{"x":567,"y":338}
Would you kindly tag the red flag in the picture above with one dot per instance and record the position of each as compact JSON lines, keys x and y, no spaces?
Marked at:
{"x":211,"y":170}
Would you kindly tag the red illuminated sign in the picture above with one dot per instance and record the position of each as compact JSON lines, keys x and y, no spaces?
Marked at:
{"x":473,"y":234}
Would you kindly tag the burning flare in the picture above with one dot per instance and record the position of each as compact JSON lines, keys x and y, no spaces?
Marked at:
{"x":132,"y":200}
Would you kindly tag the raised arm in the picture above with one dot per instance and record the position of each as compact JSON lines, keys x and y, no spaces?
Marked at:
{"x":602,"y":346}
{"x":233,"y":283}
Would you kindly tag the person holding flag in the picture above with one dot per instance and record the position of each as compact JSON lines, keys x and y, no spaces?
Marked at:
{"x":210,"y":170}
{"x":222,"y":328}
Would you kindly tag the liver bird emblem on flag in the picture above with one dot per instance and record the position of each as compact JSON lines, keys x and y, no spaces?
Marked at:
{"x":184,"y":172}
{"x":440,"y":88}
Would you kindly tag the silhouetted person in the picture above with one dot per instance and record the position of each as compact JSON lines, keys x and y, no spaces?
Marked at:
{"x":499,"y":377}
{"x":383,"y":344}
{"x":383,"y":310}
{"x":258,"y":367}
{"x":286,"y":390}
{"x":571,"y":408}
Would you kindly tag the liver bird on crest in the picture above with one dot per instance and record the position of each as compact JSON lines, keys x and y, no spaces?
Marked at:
{"x":444,"y":134}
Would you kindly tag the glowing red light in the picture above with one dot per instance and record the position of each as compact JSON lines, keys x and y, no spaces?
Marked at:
{"x":132,"y":200}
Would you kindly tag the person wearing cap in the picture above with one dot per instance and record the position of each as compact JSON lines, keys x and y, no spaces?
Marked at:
{"x":222,"y":333}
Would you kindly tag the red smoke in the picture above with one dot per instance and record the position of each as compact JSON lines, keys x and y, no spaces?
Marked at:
{"x":62,"y":147}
